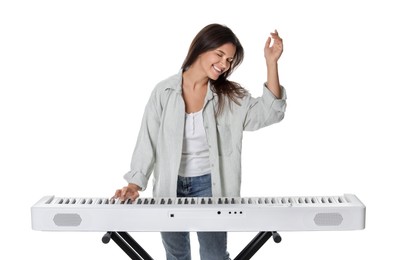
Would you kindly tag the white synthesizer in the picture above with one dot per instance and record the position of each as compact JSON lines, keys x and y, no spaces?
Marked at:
{"x":345,"y":212}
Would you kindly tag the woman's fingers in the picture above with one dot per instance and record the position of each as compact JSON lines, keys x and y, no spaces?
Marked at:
{"x":126,"y":193}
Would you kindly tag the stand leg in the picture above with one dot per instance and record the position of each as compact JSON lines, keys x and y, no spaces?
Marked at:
{"x":127,"y":244}
{"x":256,"y":243}
{"x":135,"y":246}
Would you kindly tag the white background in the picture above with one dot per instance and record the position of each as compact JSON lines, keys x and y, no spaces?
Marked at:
{"x":75,"y":77}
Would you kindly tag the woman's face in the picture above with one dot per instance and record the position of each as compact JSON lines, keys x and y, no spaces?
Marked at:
{"x":217,"y":61}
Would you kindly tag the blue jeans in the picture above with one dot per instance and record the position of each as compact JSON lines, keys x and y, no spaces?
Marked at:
{"x":212,"y":245}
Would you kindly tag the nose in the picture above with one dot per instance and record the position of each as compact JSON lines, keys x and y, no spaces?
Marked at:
{"x":223,"y":65}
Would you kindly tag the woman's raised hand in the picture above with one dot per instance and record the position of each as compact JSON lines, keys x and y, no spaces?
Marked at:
{"x":273,"y":52}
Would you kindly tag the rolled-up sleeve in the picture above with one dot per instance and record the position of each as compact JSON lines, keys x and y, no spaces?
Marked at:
{"x":264,"y":110}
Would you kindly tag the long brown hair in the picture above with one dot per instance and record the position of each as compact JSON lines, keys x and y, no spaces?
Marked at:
{"x":209,"y":38}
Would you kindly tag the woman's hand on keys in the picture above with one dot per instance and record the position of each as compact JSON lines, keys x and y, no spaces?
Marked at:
{"x":131,"y":191}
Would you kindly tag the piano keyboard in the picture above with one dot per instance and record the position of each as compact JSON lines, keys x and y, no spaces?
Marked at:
{"x":345,"y":212}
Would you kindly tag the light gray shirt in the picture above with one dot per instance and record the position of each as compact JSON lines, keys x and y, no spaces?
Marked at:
{"x":160,"y":140}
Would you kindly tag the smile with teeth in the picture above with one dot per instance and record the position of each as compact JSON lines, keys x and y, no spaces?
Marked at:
{"x":218,"y":69}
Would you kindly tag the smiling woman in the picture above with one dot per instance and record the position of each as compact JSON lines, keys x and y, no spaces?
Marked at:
{"x":215,"y":62}
{"x":212,"y":63}
{"x":218,"y":52}
{"x":192,"y":131}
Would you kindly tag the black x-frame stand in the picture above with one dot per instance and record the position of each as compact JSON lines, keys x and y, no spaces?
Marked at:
{"x":136,"y":252}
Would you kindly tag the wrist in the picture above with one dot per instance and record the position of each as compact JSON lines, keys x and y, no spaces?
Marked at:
{"x":272,"y":63}
{"x":134,"y":186}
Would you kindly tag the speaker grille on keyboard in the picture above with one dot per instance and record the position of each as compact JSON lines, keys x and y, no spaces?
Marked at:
{"x":328,"y":219}
{"x":67,"y":219}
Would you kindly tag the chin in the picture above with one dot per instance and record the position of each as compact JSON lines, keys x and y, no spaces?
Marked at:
{"x":213,"y":76}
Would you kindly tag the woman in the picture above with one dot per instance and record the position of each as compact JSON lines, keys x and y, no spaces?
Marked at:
{"x":192,"y":131}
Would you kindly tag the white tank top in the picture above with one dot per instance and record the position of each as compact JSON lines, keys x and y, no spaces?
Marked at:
{"x":195,"y":155}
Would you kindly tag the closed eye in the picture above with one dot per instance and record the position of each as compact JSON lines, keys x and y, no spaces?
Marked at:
{"x":221,"y":54}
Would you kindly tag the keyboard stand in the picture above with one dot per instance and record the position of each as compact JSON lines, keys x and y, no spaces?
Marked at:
{"x":128,"y":244}
{"x":256,"y":243}
{"x":136,"y":252}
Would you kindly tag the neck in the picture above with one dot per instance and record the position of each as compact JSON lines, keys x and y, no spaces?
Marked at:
{"x":194,"y":79}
